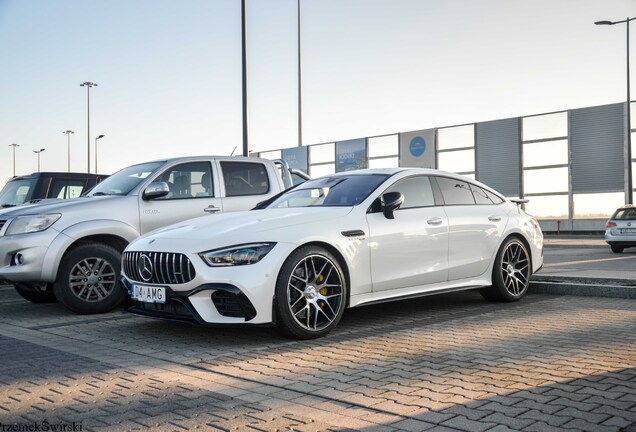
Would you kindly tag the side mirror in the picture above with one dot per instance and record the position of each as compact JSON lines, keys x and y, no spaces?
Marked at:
{"x":390,"y":202}
{"x":156,"y":190}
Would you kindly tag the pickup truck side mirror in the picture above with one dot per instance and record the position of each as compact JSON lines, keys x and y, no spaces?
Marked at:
{"x":391,"y":201}
{"x":156,"y":190}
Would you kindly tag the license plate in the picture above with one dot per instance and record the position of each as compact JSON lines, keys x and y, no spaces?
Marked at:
{"x":628,"y":231}
{"x":149,"y":294}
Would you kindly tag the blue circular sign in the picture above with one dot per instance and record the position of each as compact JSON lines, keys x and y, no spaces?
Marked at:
{"x":417,"y":146}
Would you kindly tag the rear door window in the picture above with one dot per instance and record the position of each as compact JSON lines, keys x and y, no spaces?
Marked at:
{"x":244,"y":178}
{"x":455,"y":192}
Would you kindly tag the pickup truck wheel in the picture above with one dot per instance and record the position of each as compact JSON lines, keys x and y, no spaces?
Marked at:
{"x":88,"y":279}
{"x":36,"y":292}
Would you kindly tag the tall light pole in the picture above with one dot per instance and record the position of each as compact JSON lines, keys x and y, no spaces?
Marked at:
{"x":300,"y":107}
{"x":246,"y":151}
{"x":88,"y":86}
{"x":38,"y":153}
{"x":96,"y":138}
{"x":14,"y":146}
{"x":68,"y":147}
{"x":628,"y":151}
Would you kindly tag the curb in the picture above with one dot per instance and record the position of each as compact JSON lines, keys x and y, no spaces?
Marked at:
{"x":589,"y":287}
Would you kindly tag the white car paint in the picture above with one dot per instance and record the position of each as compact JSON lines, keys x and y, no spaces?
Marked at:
{"x":421,"y":251}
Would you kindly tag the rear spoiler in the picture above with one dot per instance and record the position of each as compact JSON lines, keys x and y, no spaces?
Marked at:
{"x":521,"y":202}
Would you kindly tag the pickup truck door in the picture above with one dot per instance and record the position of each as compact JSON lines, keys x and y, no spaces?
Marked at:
{"x":245,"y":183}
{"x":194,"y":192}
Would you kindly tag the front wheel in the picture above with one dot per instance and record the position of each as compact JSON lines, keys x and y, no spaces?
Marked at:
{"x":88,"y":279}
{"x":617,"y":249}
{"x":311,"y":293}
{"x":510,"y":274}
{"x":36,"y":292}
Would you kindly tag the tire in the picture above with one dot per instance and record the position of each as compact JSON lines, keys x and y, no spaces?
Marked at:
{"x":510,"y":274}
{"x":88,"y":279}
{"x":36,"y":292}
{"x":617,"y":249}
{"x":308,"y":302}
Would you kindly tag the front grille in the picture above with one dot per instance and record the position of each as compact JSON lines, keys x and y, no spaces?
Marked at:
{"x":158,"y":267}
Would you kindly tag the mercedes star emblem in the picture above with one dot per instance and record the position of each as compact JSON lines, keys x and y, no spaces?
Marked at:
{"x":144,"y":268}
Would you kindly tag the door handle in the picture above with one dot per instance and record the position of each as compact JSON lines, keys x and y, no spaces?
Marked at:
{"x":211,"y":209}
{"x":434,"y":221}
{"x":494,"y":218}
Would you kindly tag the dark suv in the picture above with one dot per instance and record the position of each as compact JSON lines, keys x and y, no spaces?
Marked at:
{"x":34,"y":187}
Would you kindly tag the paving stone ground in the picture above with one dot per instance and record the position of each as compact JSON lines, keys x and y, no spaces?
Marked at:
{"x":445,"y":363}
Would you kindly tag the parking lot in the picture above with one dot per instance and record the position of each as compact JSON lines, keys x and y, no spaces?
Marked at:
{"x":449,"y":362}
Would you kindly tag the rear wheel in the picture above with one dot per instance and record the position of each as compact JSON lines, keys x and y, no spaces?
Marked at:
{"x":36,"y":292}
{"x":510,"y":274}
{"x":311,"y":293}
{"x":617,"y":249}
{"x":88,"y":279}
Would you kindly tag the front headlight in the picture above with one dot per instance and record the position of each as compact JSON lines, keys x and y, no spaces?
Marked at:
{"x":244,"y":254}
{"x":32,"y":223}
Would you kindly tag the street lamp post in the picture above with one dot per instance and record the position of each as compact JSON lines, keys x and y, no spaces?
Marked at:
{"x":300,"y":105}
{"x":38,"y":153}
{"x":14,"y":146}
{"x":88,"y":86}
{"x":628,"y":151}
{"x":246,"y":151}
{"x":68,"y":151}
{"x":96,"y":138}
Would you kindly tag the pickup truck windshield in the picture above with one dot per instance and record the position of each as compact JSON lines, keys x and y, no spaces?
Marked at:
{"x":123,"y":181}
{"x":16,"y":192}
{"x":333,"y":191}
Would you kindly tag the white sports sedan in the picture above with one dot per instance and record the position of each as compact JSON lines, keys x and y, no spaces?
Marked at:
{"x":340,"y":241}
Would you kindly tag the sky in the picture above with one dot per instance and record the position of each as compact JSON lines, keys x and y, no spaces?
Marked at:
{"x":169,"y":72}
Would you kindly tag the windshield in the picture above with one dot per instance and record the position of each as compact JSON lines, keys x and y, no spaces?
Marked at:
{"x":16,"y":192}
{"x":331,"y":191}
{"x":123,"y":181}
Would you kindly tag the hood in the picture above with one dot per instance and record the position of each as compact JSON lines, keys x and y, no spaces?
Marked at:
{"x":54,"y":205}
{"x":247,"y":223}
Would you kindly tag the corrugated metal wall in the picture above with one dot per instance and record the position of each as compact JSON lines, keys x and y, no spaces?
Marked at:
{"x":596,"y":148}
{"x":497,"y":154}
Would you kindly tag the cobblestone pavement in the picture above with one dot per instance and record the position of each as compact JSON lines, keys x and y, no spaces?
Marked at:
{"x":450,"y":362}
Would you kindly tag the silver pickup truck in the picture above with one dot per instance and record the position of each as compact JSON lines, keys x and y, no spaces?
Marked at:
{"x":70,"y":250}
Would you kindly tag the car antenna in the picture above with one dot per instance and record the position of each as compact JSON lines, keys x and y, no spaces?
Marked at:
{"x":233,"y":150}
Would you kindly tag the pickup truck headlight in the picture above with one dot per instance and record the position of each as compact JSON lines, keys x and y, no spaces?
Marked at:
{"x":32,"y":223}
{"x":244,"y":254}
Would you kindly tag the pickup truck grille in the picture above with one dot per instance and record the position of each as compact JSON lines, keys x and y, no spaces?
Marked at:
{"x":163,"y":268}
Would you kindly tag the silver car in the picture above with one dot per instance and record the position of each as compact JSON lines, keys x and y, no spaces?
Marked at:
{"x":620,"y":229}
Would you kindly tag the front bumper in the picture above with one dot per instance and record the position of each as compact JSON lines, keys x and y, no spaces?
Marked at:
{"x":209,"y":305}
{"x":23,"y":257}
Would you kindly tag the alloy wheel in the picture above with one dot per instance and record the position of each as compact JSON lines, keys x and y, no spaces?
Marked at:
{"x":515,"y":268}
{"x":315,"y":292}
{"x":92,"y":279}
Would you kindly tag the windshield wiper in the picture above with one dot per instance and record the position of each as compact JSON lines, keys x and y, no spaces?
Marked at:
{"x":100,"y":194}
{"x":7,"y":205}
